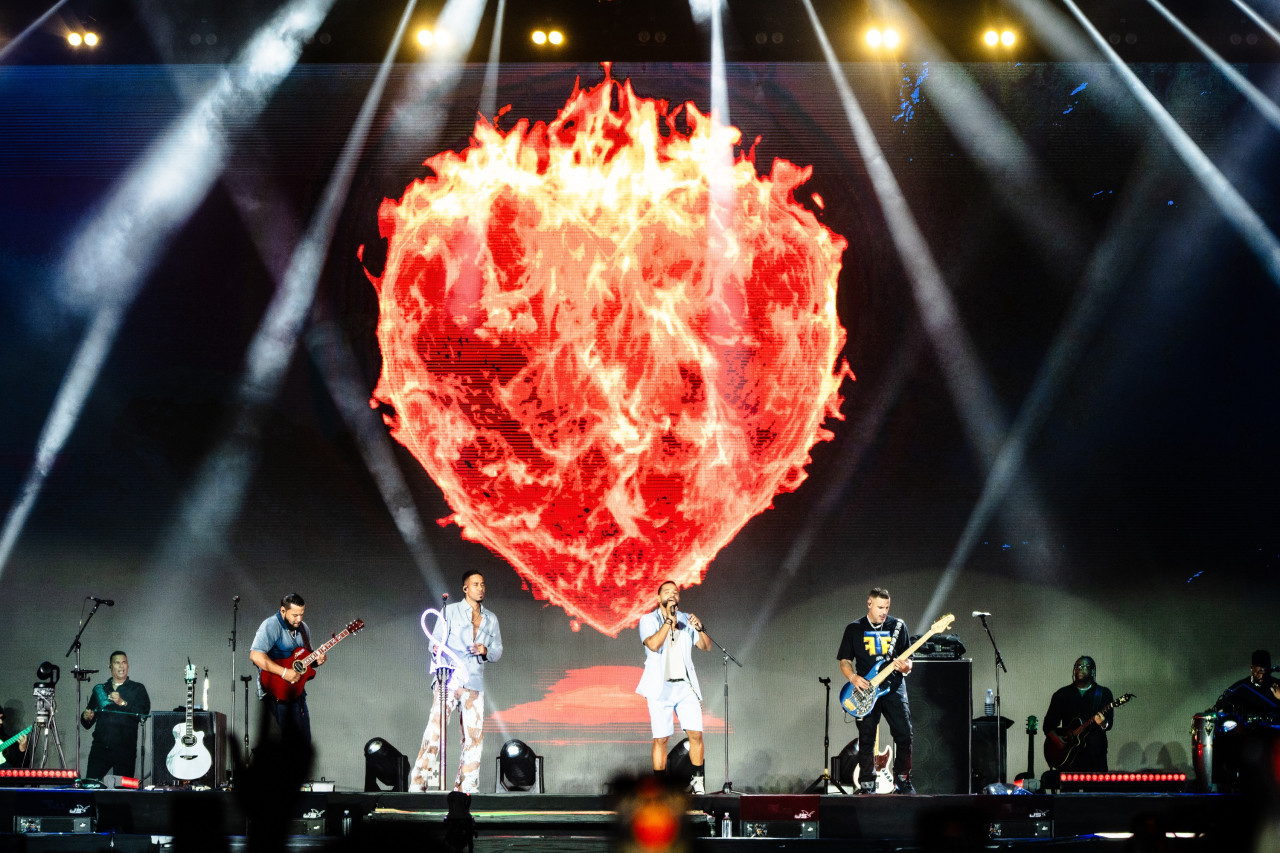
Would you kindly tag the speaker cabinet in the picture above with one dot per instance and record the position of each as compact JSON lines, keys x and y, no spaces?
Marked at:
{"x":214,"y":726}
{"x":941,"y":700}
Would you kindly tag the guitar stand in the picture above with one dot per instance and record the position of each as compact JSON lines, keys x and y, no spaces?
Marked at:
{"x":822,"y":783}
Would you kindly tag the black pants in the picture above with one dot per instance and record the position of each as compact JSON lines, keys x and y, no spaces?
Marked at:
{"x":120,"y":756}
{"x":292,"y":720}
{"x":894,"y":708}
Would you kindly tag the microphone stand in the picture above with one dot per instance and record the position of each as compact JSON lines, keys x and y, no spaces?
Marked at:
{"x":999,"y":732}
{"x":81,"y":676}
{"x":235,"y":614}
{"x":728,"y":656}
{"x":248,"y":756}
{"x":444,"y":674}
{"x":822,"y":784}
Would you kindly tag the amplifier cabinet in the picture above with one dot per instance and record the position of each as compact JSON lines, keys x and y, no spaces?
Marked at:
{"x":214,"y":726}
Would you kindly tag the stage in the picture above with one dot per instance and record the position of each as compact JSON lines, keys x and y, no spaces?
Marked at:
{"x":69,"y":819}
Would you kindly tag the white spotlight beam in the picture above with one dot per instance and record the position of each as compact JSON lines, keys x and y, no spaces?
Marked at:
{"x":67,"y":407}
{"x":22,"y":36}
{"x":331,"y":354}
{"x":1252,"y":93}
{"x":980,"y":414}
{"x":215,"y":500}
{"x":1228,"y":200}
{"x":1102,"y":279}
{"x":489,"y":90}
{"x":994,"y":146}
{"x":107,"y":263}
{"x":1257,"y":19}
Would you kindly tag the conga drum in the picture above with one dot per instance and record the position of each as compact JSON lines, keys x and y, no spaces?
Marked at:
{"x":1203,"y":728}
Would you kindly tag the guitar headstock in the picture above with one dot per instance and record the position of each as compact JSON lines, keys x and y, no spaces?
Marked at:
{"x":943,"y":623}
{"x":355,"y":626}
{"x":1031,"y":724}
{"x":1125,"y":698}
{"x":190,"y":673}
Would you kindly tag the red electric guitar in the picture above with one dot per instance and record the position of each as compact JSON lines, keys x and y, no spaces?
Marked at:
{"x":300,"y":661}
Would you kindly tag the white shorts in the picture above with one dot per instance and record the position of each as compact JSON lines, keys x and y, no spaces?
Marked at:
{"x":676,"y":696}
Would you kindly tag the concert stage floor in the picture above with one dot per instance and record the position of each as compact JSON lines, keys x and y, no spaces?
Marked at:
{"x":178,"y":820}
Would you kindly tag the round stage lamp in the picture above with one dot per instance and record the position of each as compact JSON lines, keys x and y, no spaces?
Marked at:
{"x":385,"y":765}
{"x":517,"y":766}
{"x":847,"y":762}
{"x":679,"y":765}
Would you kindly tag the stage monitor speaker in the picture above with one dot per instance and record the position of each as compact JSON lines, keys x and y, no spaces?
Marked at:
{"x":214,"y":726}
{"x":939,"y":692}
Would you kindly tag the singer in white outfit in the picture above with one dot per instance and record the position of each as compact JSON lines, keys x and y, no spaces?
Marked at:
{"x":474,"y":636}
{"x":670,"y":683}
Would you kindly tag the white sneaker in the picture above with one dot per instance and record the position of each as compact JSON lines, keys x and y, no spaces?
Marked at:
{"x":697,"y":787}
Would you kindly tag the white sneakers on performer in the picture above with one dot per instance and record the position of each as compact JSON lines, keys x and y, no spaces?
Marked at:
{"x":697,"y":787}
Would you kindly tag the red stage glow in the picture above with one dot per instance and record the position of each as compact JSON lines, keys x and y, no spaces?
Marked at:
{"x":608,"y":360}
{"x":589,"y":705}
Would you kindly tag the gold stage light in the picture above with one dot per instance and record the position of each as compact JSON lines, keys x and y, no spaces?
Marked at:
{"x":555,"y":37}
{"x":91,"y":39}
{"x":539,"y":37}
{"x":886,"y":38}
{"x":75,"y":39}
{"x":998,"y":38}
{"x":426,"y":38}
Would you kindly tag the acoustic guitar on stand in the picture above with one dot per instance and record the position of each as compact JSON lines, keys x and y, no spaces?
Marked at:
{"x":189,"y":759}
{"x":301,"y":662}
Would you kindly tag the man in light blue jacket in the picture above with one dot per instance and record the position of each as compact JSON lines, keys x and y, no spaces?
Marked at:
{"x":475,"y":640}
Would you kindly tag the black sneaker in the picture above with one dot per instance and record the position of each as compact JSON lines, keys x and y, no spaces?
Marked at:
{"x":902,"y":785}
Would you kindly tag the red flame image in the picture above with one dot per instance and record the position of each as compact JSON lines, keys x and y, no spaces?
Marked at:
{"x":609,"y":342}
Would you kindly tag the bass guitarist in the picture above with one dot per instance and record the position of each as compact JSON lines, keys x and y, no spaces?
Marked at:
{"x":277,"y":638}
{"x":876,"y":638}
{"x":1079,"y":702}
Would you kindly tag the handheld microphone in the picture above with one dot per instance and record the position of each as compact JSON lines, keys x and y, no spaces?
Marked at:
{"x":980,"y":613}
{"x":105,"y":601}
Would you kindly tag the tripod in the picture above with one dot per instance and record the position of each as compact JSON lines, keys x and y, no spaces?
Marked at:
{"x":46,"y":726}
{"x":822,"y":784}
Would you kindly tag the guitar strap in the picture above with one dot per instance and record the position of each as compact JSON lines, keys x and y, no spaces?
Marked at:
{"x":893,"y":641}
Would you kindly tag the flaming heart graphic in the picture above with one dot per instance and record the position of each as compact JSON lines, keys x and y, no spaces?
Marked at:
{"x":609,"y":342}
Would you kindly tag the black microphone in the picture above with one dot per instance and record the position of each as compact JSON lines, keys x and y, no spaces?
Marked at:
{"x":105,"y":601}
{"x":444,"y":600}
{"x":980,"y":613}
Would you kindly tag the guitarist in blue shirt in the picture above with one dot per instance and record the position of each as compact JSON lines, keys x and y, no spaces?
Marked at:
{"x":876,"y":639}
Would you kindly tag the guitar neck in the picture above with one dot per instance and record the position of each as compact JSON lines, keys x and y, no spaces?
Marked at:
{"x":337,"y":638}
{"x":886,"y":671}
{"x":19,"y":736}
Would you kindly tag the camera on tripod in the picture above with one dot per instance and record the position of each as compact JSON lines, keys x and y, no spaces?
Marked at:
{"x":47,"y":675}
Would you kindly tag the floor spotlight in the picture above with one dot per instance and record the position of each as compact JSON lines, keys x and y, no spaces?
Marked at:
{"x":679,"y":766}
{"x":519,"y":768}
{"x":846,"y":763}
{"x":385,"y":765}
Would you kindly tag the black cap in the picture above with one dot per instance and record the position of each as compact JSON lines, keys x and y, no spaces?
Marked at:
{"x":1261,"y":658}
